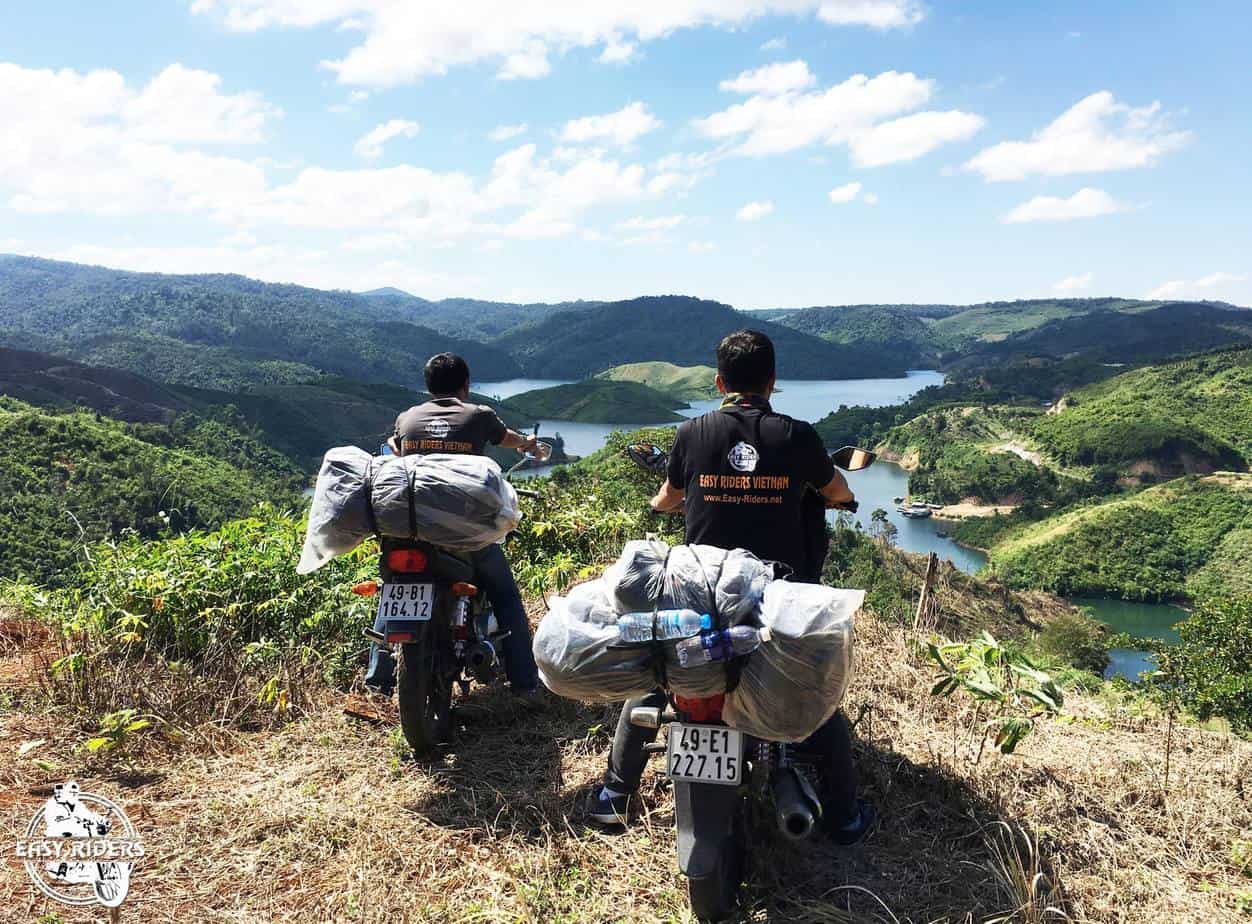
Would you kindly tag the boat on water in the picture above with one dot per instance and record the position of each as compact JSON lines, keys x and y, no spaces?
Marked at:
{"x":897,"y":500}
{"x":915,"y":510}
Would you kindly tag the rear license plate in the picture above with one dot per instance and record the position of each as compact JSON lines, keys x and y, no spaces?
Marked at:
{"x":406,"y":601}
{"x":705,"y":754}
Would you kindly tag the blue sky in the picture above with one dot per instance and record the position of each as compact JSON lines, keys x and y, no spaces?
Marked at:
{"x":761,"y":152}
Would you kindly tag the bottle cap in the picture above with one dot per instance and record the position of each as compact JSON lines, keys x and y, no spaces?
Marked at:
{"x":765,"y":634}
{"x":706,"y":621}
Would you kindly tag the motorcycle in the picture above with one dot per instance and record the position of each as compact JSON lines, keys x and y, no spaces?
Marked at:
{"x":438,"y":625}
{"x":714,"y":768}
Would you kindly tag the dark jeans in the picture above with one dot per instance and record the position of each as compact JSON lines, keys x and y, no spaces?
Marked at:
{"x":830,"y":746}
{"x":494,"y":576}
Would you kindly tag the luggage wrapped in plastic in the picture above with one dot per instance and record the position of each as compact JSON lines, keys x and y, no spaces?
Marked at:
{"x":796,"y":680}
{"x":583,"y":659}
{"x":703,"y":578}
{"x":458,"y":502}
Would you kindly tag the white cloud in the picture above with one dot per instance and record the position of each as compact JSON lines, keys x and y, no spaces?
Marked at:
{"x":507,"y":132}
{"x":639,"y":223}
{"x":1095,"y":135}
{"x":912,"y":136}
{"x":772,"y":79}
{"x":845,"y":193}
{"x":619,"y":52}
{"x":870,"y":198}
{"x":701,"y":247}
{"x":774,"y":44}
{"x":755,"y":211}
{"x":240,"y":238}
{"x":181,"y":105}
{"x":1199,"y":288}
{"x":622,"y":127}
{"x":1077,"y":283}
{"x":405,"y":41}
{"x":1086,"y":203}
{"x":370,"y":145}
{"x":373,"y":243}
{"x":857,"y":113}
{"x":358,"y":96}
{"x":529,"y":63}
{"x":491,"y":246}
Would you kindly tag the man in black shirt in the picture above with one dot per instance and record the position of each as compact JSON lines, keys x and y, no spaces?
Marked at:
{"x":749,"y":478}
{"x":448,"y":423}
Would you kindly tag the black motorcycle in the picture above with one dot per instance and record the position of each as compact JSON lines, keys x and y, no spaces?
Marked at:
{"x":714,"y":768}
{"x":439,"y":626}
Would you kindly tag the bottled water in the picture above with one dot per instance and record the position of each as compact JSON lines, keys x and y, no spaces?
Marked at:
{"x":721,"y":644}
{"x":637,"y":627}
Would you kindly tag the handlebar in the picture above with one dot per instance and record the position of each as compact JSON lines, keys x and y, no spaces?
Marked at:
{"x":851,"y":506}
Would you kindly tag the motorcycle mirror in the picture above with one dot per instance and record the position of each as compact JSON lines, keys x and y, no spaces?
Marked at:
{"x":852,"y":458}
{"x":648,"y":456}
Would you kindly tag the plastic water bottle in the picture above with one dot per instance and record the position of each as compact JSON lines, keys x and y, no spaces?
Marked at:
{"x":721,"y":644}
{"x":637,"y":627}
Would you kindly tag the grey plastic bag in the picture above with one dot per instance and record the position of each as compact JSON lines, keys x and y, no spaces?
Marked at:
{"x":584,"y":660}
{"x":796,"y":680}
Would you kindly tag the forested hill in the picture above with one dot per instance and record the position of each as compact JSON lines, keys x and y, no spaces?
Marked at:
{"x":680,"y":330}
{"x":216,"y":331}
{"x":466,"y":317}
{"x":1108,"y":329}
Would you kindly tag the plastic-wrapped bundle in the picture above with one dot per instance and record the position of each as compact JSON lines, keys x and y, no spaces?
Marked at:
{"x":703,"y":578}
{"x":583,"y":658}
{"x":458,"y":502}
{"x":795,"y":681}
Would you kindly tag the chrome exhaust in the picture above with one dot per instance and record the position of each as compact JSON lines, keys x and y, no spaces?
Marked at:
{"x":797,"y":805}
{"x":480,"y":660}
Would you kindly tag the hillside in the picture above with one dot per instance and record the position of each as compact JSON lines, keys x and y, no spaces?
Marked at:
{"x":66,"y":479}
{"x":300,"y":421}
{"x":465,"y":317}
{"x":904,"y":330}
{"x":1172,"y":540}
{"x":683,"y":383}
{"x":599,"y":401}
{"x":215,"y":331}
{"x":1192,"y":415}
{"x":676,"y":329}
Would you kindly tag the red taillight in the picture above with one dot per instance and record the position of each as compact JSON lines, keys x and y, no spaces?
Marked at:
{"x":365,"y":588}
{"x":706,"y":709}
{"x":407,"y":561}
{"x":400,"y":636}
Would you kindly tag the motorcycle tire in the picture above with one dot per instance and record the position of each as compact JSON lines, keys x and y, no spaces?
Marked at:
{"x":715,"y":897}
{"x":424,"y":695}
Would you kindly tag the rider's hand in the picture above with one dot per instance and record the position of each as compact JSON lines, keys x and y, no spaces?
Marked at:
{"x":529,"y":445}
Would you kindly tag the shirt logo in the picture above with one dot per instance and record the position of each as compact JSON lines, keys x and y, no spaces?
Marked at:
{"x":438,"y":428}
{"x":744,"y":457}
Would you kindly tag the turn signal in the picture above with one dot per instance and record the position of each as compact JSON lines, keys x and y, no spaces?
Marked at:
{"x":464,"y":589}
{"x":365,"y":588}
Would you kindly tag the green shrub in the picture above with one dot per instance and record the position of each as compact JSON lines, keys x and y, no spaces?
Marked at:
{"x":1211,"y":666}
{"x":1076,"y":639}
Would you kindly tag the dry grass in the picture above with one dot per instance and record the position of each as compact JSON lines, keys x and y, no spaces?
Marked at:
{"x":323,"y":821}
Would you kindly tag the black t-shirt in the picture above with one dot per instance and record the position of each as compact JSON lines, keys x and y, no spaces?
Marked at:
{"x":447,"y":425}
{"x":745,"y":471}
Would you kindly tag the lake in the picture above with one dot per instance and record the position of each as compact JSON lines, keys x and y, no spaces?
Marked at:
{"x":806,"y":400}
{"x":1146,"y":620}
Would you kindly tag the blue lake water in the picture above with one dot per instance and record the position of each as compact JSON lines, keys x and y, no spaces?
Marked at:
{"x":1145,"y":620}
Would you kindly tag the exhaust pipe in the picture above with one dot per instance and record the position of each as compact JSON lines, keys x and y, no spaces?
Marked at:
{"x":797,"y":806}
{"x":480,"y":660}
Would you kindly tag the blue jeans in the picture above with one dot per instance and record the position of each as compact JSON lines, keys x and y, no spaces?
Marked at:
{"x":494,"y":576}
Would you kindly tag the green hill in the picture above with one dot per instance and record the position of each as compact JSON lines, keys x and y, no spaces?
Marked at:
{"x":1172,"y":540}
{"x":1192,"y":415}
{"x":679,"y":330}
{"x":216,"y":331}
{"x":599,"y":401}
{"x":683,"y":383}
{"x":66,"y":479}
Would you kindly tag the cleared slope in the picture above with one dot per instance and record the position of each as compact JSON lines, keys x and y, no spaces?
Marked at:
{"x":684,"y":383}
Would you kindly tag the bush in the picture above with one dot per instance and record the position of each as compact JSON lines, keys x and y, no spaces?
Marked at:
{"x":1076,"y":639}
{"x":1211,"y":666}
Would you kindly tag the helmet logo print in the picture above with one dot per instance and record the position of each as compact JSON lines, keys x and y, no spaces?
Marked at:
{"x":743,"y":457}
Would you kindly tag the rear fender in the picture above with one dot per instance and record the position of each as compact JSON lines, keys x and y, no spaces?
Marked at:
{"x":704,"y":814}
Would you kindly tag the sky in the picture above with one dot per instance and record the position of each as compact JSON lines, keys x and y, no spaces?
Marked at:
{"x":764,"y":153}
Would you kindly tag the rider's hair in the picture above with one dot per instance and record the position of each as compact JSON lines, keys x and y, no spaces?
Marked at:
{"x":446,"y":374}
{"x":745,"y":361}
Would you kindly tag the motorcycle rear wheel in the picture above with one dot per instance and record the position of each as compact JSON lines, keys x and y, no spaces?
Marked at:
{"x":424,"y":695}
{"x":715,"y":897}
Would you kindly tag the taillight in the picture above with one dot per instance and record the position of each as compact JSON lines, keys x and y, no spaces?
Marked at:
{"x":400,"y":636}
{"x":365,"y":588}
{"x":464,"y":589}
{"x":705,"y":709}
{"x":407,"y":561}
